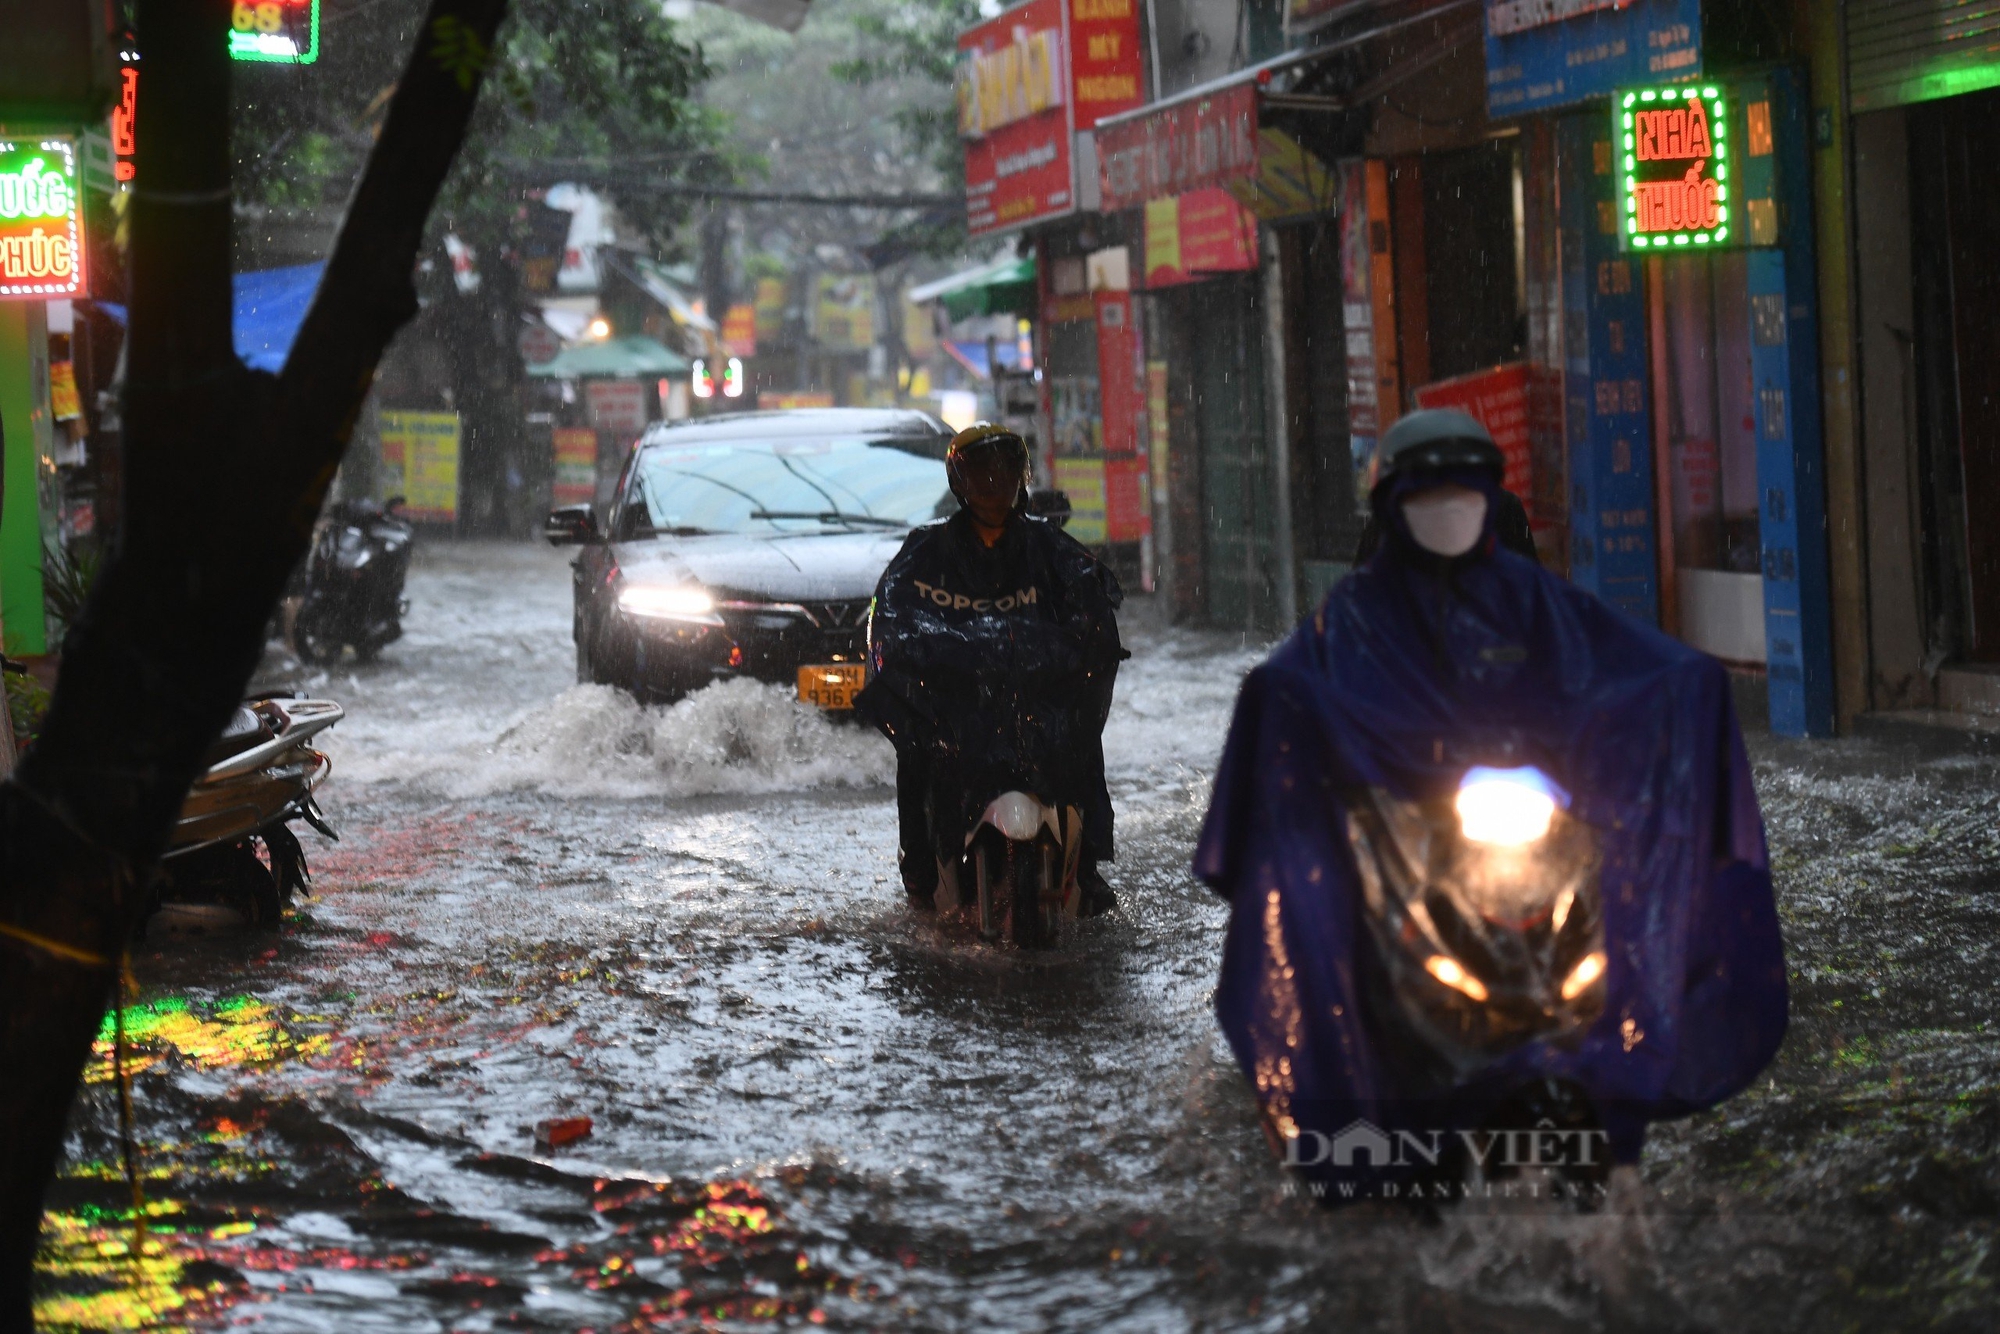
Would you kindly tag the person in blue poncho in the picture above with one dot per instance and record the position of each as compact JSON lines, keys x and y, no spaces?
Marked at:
{"x":1496,"y":872}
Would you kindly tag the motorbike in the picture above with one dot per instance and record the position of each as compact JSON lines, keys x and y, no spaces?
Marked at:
{"x":1484,"y":932}
{"x":1484,"y":914}
{"x":262,"y":773}
{"x":1018,"y":871}
{"x":353,"y":592}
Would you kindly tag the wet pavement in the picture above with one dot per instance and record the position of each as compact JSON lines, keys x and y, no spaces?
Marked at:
{"x":809,"y":1105}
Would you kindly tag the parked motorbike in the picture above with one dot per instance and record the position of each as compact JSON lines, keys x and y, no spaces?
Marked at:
{"x":1018,"y":871}
{"x":353,"y":595}
{"x":1485,"y":916}
{"x":261,"y":776}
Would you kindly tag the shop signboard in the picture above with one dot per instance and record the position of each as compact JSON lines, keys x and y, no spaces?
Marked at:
{"x":1608,"y":399}
{"x":770,"y":400}
{"x":1014,"y":118}
{"x":1521,"y":405}
{"x":1671,"y":149}
{"x":423,"y":446}
{"x":770,"y":305}
{"x":1128,"y":501}
{"x":1107,"y":61}
{"x":1188,"y":145}
{"x":1082,"y":481}
{"x":844,"y":312}
{"x":286,"y":32}
{"x":1552,"y":53}
{"x":575,"y":451}
{"x":1198,"y":234}
{"x":41,"y":219}
{"x":616,"y":406}
{"x":739,"y":330}
{"x":1117,"y":372}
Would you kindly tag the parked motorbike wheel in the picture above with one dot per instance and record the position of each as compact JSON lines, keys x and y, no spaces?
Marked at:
{"x":229,"y":876}
{"x":314,"y":634}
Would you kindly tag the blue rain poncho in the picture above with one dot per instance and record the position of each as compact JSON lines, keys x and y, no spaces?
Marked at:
{"x":1414,"y":670}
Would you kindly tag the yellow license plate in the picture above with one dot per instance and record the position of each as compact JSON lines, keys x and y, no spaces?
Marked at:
{"x":832,"y":685}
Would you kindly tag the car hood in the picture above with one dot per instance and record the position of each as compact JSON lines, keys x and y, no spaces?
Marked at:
{"x":791,"y":568}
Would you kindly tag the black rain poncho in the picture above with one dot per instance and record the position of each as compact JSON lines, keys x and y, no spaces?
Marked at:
{"x":993,"y":667}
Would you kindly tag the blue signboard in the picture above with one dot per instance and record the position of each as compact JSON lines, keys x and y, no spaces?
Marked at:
{"x":1784,"y":371}
{"x":1608,"y":398}
{"x":1552,"y":53}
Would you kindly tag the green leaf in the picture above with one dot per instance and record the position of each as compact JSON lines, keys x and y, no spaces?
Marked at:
{"x":458,"y":50}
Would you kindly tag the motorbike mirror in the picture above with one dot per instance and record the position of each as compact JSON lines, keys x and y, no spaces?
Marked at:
{"x":1049,"y":503}
{"x":572,"y":525}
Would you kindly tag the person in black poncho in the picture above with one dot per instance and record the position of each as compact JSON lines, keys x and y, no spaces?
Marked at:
{"x":993,"y":640}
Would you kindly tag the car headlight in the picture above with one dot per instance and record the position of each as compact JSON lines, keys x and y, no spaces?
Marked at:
{"x":669,"y":604}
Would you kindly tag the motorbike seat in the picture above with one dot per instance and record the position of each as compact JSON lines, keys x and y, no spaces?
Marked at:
{"x":246,"y":728}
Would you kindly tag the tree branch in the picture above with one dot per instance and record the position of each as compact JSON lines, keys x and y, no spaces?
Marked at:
{"x":227,"y":469}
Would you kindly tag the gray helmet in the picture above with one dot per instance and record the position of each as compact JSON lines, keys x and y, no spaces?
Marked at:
{"x":1435,"y":440}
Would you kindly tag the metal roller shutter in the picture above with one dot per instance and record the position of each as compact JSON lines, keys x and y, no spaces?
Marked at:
{"x":1903,"y":51}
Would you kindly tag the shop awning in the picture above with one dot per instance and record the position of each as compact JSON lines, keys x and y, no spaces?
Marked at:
{"x":1212,"y":136}
{"x":270,"y":305}
{"x":972,"y":356}
{"x":629,"y":358}
{"x":1004,"y":287}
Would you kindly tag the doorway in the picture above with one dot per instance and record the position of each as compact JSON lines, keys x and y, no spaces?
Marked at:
{"x":1705,"y":453}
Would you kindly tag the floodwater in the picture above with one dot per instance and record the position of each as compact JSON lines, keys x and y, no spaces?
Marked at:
{"x":810,"y":1105}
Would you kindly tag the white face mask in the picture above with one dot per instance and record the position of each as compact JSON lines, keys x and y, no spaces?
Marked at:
{"x":1446,"y":521}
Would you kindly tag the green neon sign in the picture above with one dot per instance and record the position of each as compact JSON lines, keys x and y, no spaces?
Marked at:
{"x":284,"y":32}
{"x":1672,"y":168}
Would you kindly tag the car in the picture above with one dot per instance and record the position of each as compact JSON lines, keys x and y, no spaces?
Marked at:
{"x":749,"y":545}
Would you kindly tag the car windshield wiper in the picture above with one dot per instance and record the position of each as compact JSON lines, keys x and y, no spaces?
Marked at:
{"x":829,"y":516}
{"x":673,"y":532}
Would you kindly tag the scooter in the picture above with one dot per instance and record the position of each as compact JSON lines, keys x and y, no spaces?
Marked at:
{"x":1485,"y":931}
{"x":1485,"y":917}
{"x":353,"y":592}
{"x":1018,"y":871}
{"x":261,"y":776}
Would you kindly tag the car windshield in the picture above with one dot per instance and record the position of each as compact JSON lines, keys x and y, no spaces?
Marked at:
{"x":784,"y":486}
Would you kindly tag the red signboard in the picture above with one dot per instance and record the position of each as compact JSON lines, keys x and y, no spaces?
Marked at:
{"x":1520,"y":404}
{"x":1188,"y":145}
{"x":1014,"y":114}
{"x":1118,"y":373}
{"x":1198,"y":234}
{"x":739,"y":330}
{"x":1128,"y":510}
{"x":1107,"y":68}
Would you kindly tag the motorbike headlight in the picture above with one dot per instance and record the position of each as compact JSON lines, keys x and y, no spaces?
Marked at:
{"x":1452,"y":975}
{"x":1507,"y":808}
{"x":683,"y":603}
{"x":1588,"y":969}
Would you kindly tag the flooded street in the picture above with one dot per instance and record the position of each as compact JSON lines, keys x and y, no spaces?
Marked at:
{"x":810,"y":1105}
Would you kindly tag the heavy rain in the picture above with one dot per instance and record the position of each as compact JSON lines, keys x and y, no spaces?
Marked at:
{"x":842,"y":460}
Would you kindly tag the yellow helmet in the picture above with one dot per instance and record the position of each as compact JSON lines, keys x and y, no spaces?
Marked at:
{"x":976,"y":438}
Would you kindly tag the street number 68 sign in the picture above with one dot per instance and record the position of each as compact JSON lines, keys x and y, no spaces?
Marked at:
{"x":284,"y":31}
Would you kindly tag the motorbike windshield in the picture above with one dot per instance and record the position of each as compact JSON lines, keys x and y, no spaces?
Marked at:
{"x":788,"y":486}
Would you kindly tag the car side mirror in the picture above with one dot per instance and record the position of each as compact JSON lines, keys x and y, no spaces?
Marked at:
{"x":571,"y":526}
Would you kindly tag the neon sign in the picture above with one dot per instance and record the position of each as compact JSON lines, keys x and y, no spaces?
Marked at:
{"x":1673,"y":167}
{"x":284,"y":31}
{"x":41,"y":221}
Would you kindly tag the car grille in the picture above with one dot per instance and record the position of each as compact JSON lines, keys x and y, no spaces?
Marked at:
{"x":776,"y":638}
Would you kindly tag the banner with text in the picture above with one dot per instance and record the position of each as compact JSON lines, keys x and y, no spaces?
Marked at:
{"x":1552,"y":53}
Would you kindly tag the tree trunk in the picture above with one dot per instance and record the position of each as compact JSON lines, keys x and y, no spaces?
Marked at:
{"x":225,"y":469}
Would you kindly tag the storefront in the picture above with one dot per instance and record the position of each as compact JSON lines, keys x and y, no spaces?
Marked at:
{"x":1691,"y":405}
{"x":1925,"y":131}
